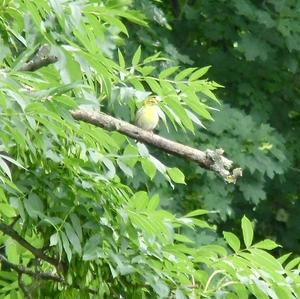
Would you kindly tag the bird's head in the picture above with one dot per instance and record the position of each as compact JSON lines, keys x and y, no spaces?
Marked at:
{"x":152,"y":101}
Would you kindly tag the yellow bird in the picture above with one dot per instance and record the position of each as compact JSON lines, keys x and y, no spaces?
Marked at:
{"x":147,"y":116}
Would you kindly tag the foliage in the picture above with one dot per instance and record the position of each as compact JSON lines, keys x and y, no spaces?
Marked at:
{"x":72,"y":190}
{"x":252,"y":47}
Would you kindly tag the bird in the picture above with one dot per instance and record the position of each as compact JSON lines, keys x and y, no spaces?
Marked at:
{"x":147,"y":117}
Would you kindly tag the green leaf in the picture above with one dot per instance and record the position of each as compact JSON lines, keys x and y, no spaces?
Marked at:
{"x":116,"y":22}
{"x":232,"y":240}
{"x":12,"y":253}
{"x":153,"y":203}
{"x":133,"y":16}
{"x":138,"y":201}
{"x":266,"y":244}
{"x":167,"y":72}
{"x":126,"y":169}
{"x":193,"y":102}
{"x":183,"y":239}
{"x":265,"y":261}
{"x":184,"y":73}
{"x":136,"y":57}
{"x":247,"y":231}
{"x":241,"y":291}
{"x":179,"y":294}
{"x":148,"y":167}
{"x":154,"y":57}
{"x":142,"y":149}
{"x":54,"y":239}
{"x":201,"y":223}
{"x":146,"y":70}
{"x":8,"y":275}
{"x":155,"y":87}
{"x":111,"y":170}
{"x":143,"y":223}
{"x":209,"y":93}
{"x":198,"y":212}
{"x":5,"y":168}
{"x":130,"y":155}
{"x":34,"y":13}
{"x":121,"y":59}
{"x":13,"y":161}
{"x":91,"y":250}
{"x":178,"y":109}
{"x":199,"y":73}
{"x":284,"y":257}
{"x":7,"y":210}
{"x":34,"y":206}
{"x":161,"y":288}
{"x":73,"y":238}
{"x":2,"y":195}
{"x":176,"y":175}
{"x":282,"y":291}
{"x":292,"y":264}
{"x":66,"y":245}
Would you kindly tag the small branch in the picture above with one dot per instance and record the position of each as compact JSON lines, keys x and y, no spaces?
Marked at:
{"x":6,"y":229}
{"x":38,"y":275}
{"x":209,"y":159}
{"x":41,"y":58}
{"x":23,"y":287}
{"x":24,"y":270}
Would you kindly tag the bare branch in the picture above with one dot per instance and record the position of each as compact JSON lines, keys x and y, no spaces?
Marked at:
{"x":6,"y":229}
{"x":209,"y":159}
{"x":24,"y":270}
{"x":41,"y":58}
{"x":37,"y":275}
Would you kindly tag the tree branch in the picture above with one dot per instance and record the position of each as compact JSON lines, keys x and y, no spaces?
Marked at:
{"x":6,"y":229}
{"x":24,"y":270}
{"x":209,"y":159}
{"x":41,"y":58}
{"x":23,"y":287}
{"x":37,"y":275}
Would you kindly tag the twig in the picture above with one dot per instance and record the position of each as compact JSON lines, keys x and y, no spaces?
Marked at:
{"x":6,"y":229}
{"x":23,"y":287}
{"x":38,"y":275}
{"x":209,"y":159}
{"x":41,"y":58}
{"x":24,"y":270}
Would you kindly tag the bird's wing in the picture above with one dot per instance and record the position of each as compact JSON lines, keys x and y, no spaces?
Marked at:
{"x":138,"y":114}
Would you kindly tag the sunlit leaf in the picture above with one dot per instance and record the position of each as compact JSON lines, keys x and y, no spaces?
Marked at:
{"x":232,"y":240}
{"x":247,"y":231}
{"x":199,"y":73}
{"x":136,"y":56}
{"x":176,"y":175}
